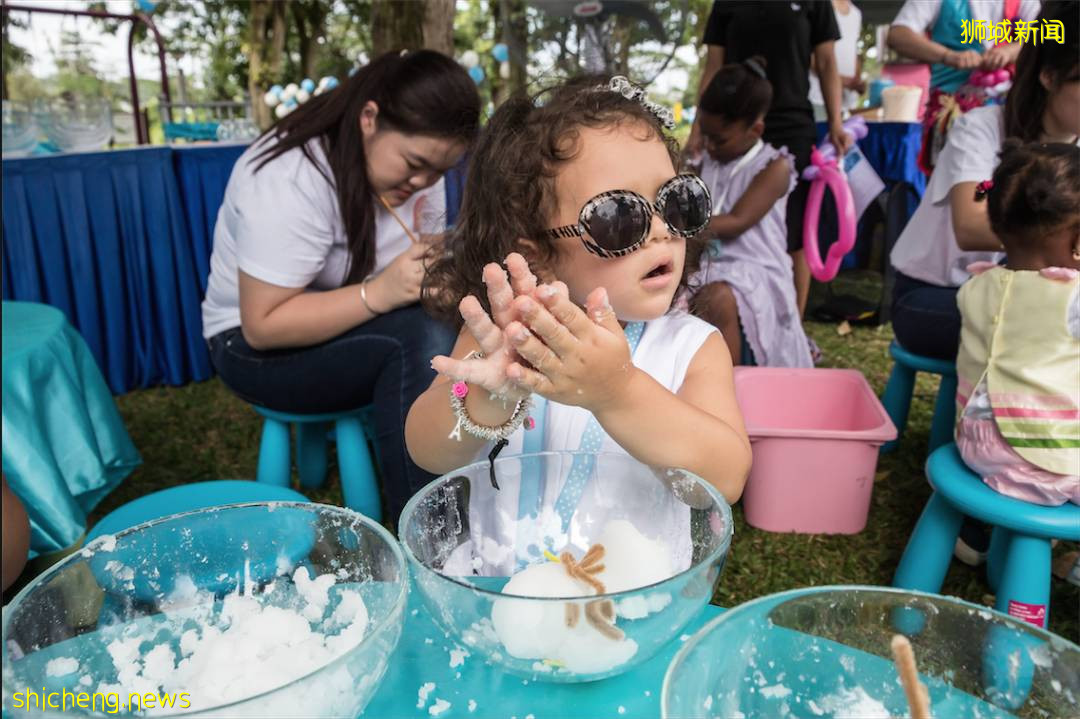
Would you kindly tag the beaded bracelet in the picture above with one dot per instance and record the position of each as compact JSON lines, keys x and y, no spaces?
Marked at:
{"x":458,"y":392}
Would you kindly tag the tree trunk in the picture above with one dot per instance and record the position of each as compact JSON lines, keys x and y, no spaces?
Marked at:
{"x":266,"y":40}
{"x":439,"y":26}
{"x":260,"y":11}
{"x":396,"y":24}
{"x":515,"y":33}
{"x":310,"y":26}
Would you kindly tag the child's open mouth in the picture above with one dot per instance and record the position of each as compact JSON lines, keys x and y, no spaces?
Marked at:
{"x":659,"y":277}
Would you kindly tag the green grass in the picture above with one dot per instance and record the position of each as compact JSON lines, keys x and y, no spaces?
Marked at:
{"x":201,"y":432}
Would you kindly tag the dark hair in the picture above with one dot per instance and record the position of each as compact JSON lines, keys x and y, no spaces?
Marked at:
{"x":510,"y":187}
{"x":1026,"y":102}
{"x":418,"y":93}
{"x":739,"y":92}
{"x":1035,"y":191}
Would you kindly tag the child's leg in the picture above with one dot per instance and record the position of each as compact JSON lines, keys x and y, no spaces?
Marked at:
{"x":715,"y":303}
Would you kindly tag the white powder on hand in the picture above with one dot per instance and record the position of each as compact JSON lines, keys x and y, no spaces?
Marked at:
{"x":438,"y":707}
{"x":422,"y":695}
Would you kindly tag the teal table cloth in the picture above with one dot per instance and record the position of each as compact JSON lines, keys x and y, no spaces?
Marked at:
{"x":64,"y":443}
{"x":477,"y":689}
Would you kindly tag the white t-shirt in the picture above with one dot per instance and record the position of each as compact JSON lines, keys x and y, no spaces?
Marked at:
{"x":926,"y":250}
{"x":283,"y":225}
{"x":847,"y":55}
{"x":920,"y":15}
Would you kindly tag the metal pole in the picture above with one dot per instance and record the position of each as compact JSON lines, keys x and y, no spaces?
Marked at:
{"x":142,"y":131}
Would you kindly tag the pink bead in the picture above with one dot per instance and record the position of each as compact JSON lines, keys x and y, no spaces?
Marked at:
{"x":530,"y":423}
{"x":460,"y":390}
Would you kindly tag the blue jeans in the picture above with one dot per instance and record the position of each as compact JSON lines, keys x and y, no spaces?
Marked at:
{"x":925,"y":318}
{"x":385,"y":362}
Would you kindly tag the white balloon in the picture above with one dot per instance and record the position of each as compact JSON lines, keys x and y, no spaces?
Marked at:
{"x":469,"y":58}
{"x":281,"y":110}
{"x":303,"y":96}
{"x":271,"y":99}
{"x":504,"y":70}
{"x":291,"y":89}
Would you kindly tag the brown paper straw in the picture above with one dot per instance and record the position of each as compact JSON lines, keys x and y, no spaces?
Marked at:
{"x":399,"y":220}
{"x":918,"y":698}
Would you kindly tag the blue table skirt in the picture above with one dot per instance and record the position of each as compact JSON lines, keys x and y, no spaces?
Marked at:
{"x":893,"y":150}
{"x":119,"y":241}
{"x":64,"y":443}
{"x":423,"y":655}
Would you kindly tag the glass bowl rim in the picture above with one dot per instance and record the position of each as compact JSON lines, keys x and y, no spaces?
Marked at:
{"x":718,"y":500}
{"x":747,"y":607}
{"x":396,"y":608}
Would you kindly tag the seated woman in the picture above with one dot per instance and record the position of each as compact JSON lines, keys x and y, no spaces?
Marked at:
{"x":312,"y":304}
{"x":950,"y":230}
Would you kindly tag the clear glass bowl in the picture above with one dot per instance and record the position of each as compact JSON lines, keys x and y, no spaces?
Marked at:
{"x":20,"y":129}
{"x":76,"y":124}
{"x":665,"y":533}
{"x":117,"y":616}
{"x":825,"y":652}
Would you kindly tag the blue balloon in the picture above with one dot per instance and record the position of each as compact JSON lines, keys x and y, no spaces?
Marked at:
{"x":308,"y":85}
{"x":477,"y":74}
{"x":291,"y":102}
{"x":501,"y":52}
{"x":277,"y":90}
{"x":332,"y":82}
{"x":147,"y":6}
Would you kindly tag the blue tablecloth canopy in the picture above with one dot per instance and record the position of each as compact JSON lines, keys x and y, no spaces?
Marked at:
{"x":120,"y":242}
{"x":64,"y":443}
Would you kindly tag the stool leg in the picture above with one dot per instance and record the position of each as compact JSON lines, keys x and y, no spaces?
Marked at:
{"x":897,"y":400}
{"x":311,"y":453}
{"x":995,"y":559}
{"x":929,"y":551}
{"x":274,"y":464}
{"x":1024,"y":591}
{"x":943,"y":425}
{"x":358,"y":484}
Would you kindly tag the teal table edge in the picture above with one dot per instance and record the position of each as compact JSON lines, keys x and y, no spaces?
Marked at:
{"x":424,"y":656}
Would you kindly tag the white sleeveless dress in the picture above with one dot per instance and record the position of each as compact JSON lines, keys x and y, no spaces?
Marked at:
{"x":665,"y":351}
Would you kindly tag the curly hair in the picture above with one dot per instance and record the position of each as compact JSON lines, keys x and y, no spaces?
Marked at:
{"x":510,"y":186}
{"x":1035,"y":192}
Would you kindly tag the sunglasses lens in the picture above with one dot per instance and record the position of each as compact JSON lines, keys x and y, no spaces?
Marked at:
{"x":686,"y":208}
{"x":618,"y":223}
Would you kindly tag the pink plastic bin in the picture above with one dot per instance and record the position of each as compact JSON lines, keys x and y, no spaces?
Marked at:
{"x":816,"y":434}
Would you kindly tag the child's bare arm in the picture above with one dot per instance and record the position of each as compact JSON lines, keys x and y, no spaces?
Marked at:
{"x":765,"y":190}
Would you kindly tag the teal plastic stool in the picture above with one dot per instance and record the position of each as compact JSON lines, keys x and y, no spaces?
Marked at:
{"x":897,"y":397}
{"x":1019,"y":559}
{"x":187,"y":498}
{"x":358,"y":482}
{"x":285,"y":533}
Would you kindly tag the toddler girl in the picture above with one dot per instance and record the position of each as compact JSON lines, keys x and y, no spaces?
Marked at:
{"x":1019,"y":363}
{"x":582,"y":191}
{"x":746,"y":277}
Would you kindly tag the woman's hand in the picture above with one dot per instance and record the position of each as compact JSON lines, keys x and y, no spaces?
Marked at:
{"x":399,"y":284}
{"x":966,"y":60}
{"x":999,"y":56}
{"x":577,"y":357}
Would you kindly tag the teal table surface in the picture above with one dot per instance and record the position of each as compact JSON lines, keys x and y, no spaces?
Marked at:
{"x":423,"y":656}
{"x":64,"y":443}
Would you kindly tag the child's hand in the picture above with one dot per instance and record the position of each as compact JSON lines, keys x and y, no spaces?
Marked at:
{"x":577,"y":358}
{"x":489,"y":371}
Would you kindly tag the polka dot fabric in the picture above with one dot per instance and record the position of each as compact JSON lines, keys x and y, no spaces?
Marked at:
{"x":591,"y":441}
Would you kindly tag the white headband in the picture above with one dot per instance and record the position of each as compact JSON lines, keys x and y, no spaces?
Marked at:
{"x":624,"y":87}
